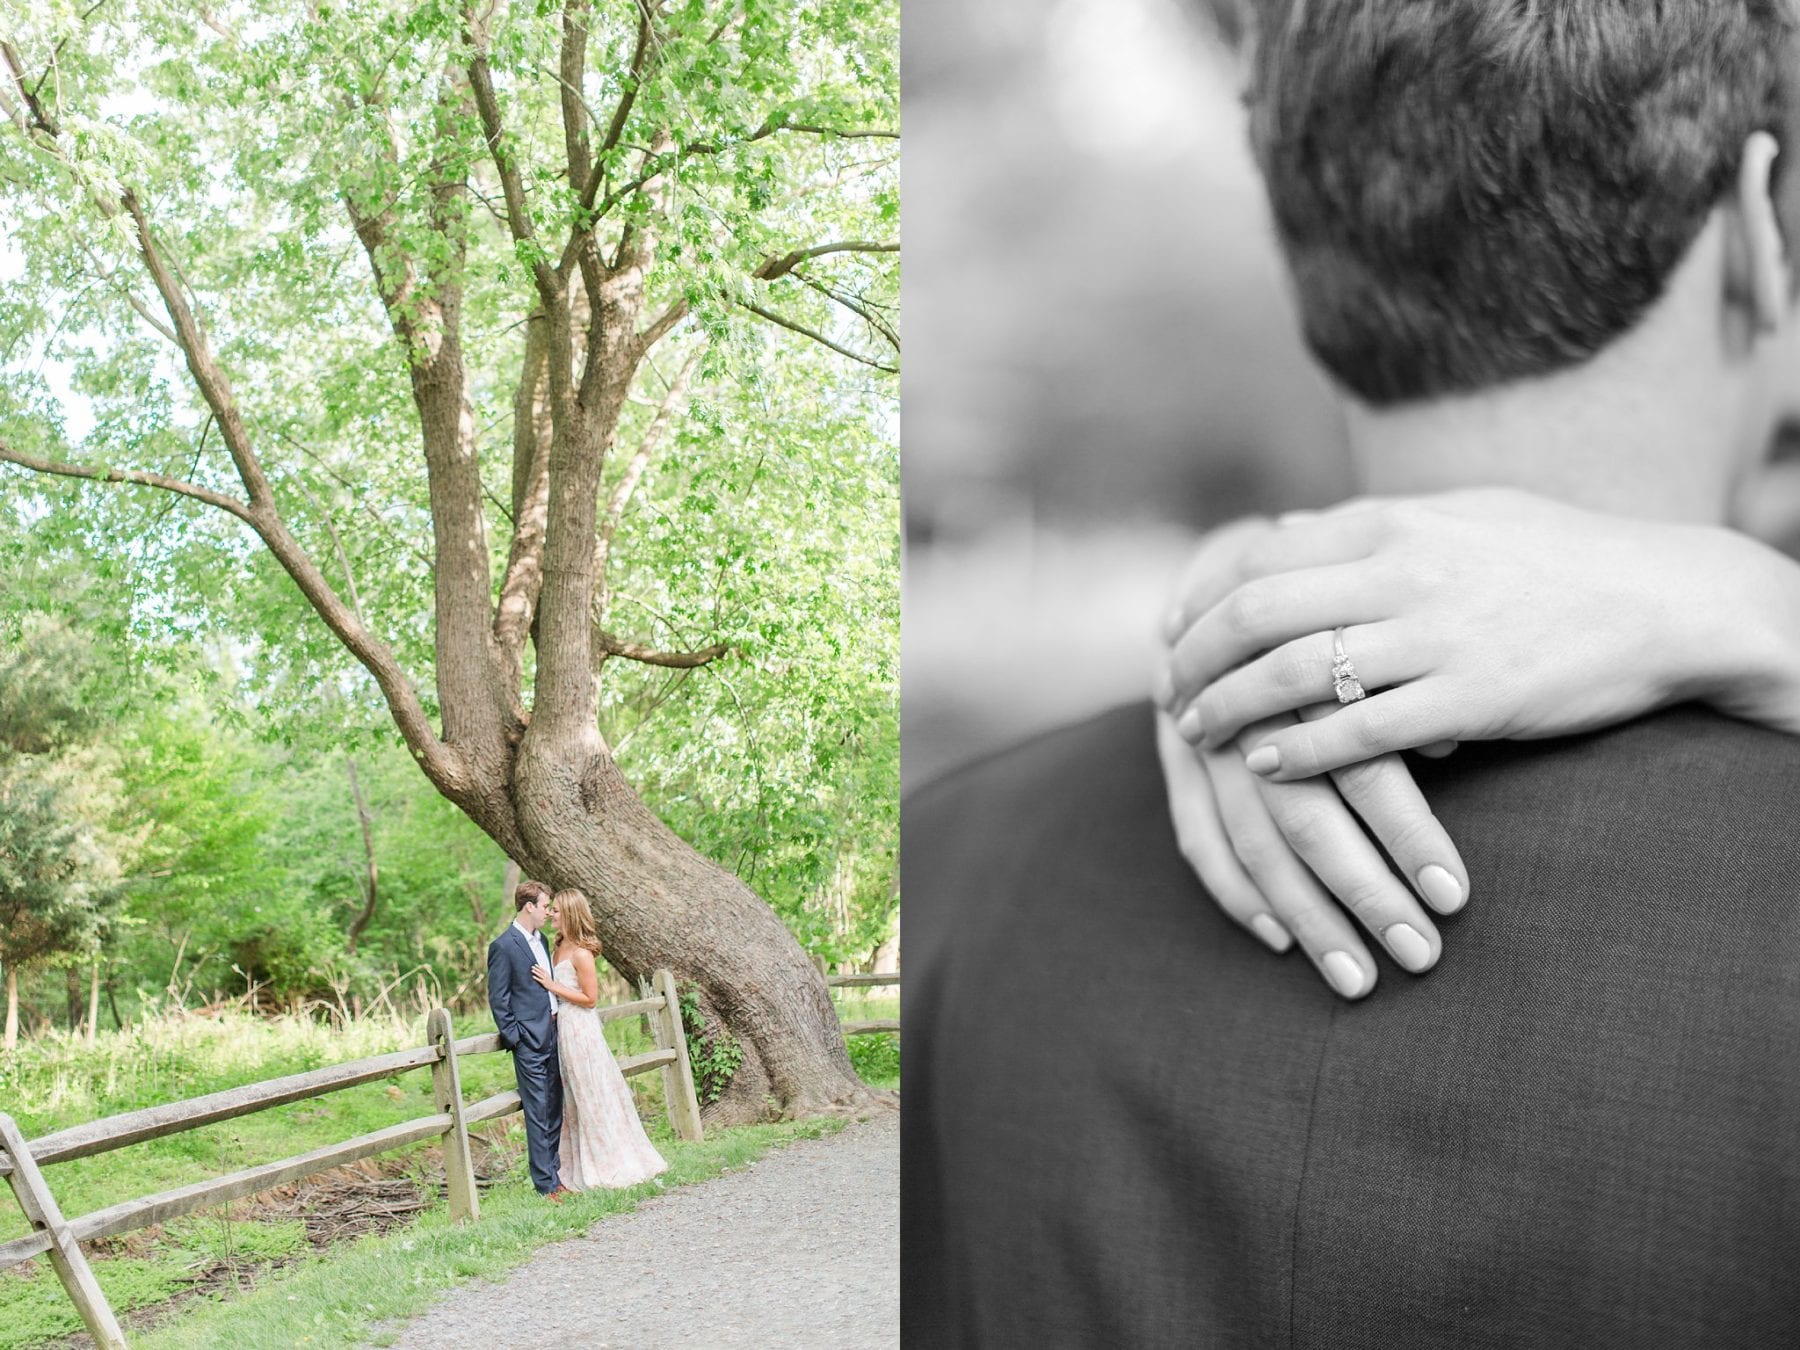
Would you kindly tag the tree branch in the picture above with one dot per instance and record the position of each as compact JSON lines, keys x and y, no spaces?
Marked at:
{"x":655,"y":165}
{"x":423,"y":299}
{"x":571,"y":68}
{"x":659,"y":329}
{"x":442,"y":764}
{"x":876,"y":321}
{"x":518,"y":216}
{"x":102,"y":474}
{"x":144,"y":313}
{"x":214,"y":387}
{"x":356,"y":495}
{"x":839,"y":133}
{"x":634,"y":473}
{"x":551,"y":282}
{"x":628,"y":95}
{"x":595,"y":176}
{"x":775,"y":267}
{"x":524,"y":575}
{"x":445,"y":766}
{"x":607,"y":645}
{"x":820,"y":338}
{"x":337,"y":545}
{"x":370,"y":882}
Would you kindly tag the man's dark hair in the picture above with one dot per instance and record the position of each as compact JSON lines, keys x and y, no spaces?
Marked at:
{"x":527,"y":892}
{"x":1476,"y":191}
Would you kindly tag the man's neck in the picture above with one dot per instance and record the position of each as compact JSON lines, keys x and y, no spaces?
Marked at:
{"x":525,"y":927}
{"x":1653,"y":425}
{"x":1645,"y":458}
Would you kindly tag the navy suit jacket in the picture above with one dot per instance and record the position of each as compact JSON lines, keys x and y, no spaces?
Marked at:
{"x":520,"y":1004}
{"x":1127,"y":1124}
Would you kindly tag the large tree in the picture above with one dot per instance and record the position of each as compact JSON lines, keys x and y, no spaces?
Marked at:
{"x":565,"y":190}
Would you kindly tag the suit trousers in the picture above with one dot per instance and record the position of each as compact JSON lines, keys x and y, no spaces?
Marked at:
{"x":539,"y":1077}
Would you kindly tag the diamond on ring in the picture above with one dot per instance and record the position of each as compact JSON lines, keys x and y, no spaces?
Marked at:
{"x":1343,"y":674}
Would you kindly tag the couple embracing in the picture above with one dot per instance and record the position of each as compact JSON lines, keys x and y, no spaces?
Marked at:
{"x":581,"y":1128}
{"x":1550,"y":253}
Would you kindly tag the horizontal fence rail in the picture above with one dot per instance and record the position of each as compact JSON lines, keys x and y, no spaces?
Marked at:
{"x":867,"y":982}
{"x":60,"y":1239}
{"x":102,"y":1136}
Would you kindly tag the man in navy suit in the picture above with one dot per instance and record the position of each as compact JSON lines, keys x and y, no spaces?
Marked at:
{"x":526,"y":1016}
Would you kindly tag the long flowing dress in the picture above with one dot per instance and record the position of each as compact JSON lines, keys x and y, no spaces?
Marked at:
{"x":603,"y":1141}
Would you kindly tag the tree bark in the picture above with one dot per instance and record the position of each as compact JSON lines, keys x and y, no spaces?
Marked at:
{"x":658,"y":903}
{"x":370,"y":881}
{"x":93,"y":1008}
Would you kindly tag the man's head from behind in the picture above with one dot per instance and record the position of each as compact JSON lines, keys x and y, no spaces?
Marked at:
{"x":1476,"y":192}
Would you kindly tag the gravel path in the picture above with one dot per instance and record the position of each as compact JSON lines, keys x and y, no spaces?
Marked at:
{"x":799,"y":1249}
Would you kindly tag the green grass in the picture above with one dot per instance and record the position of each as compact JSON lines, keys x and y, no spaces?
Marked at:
{"x":57,"y":1081}
{"x":300,"y":1296}
{"x":339,"y":1299}
{"x":875,"y":1056}
{"x":34,"y":1308}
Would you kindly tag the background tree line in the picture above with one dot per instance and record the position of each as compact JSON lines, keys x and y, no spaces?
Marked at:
{"x":511,"y":382}
{"x":177,"y":831}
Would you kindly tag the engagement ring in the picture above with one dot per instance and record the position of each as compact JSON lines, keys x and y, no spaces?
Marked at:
{"x":1343,"y":674}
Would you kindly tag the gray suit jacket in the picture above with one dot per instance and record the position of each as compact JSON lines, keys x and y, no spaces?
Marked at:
{"x":1128,"y":1125}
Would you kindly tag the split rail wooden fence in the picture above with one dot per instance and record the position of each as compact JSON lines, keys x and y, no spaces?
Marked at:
{"x":60,"y":1238}
{"x":863,"y":982}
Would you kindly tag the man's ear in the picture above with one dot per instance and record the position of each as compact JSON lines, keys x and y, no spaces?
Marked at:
{"x":1758,"y":257}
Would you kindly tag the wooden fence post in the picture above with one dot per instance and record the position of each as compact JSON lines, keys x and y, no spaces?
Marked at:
{"x":678,"y":1077}
{"x":652,"y":1028}
{"x":65,"y":1253}
{"x":446,"y":1085}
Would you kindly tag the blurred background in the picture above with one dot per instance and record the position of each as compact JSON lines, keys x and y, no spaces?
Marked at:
{"x":1102,"y":355}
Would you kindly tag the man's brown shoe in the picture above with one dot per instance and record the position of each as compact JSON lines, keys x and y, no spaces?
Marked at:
{"x":558,"y":1194}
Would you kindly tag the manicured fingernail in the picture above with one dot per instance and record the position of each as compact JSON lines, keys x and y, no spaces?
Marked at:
{"x":1408,"y":945}
{"x":1162,"y":688}
{"x":1345,"y":975}
{"x":1443,"y":890}
{"x":1265,"y":760}
{"x":1274,"y":936}
{"x":1188,"y":724}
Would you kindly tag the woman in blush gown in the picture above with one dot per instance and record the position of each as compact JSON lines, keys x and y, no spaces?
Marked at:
{"x":603,"y":1142}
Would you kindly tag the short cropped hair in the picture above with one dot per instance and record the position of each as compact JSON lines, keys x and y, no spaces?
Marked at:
{"x":1471,"y":192}
{"x":527,"y":892}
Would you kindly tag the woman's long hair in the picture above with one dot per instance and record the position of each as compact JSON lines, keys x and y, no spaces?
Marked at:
{"x":575,"y":921}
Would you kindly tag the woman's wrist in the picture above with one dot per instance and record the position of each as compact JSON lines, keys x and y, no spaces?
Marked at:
{"x":1749,"y":633}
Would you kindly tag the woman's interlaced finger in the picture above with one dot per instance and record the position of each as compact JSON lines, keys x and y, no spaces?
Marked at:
{"x":1200,"y":835}
{"x":1298,"y":901}
{"x":1298,"y":674}
{"x":1319,"y":827}
{"x":1413,"y":714}
{"x":1382,"y":792}
{"x":1244,"y":550}
{"x":1265,"y":613}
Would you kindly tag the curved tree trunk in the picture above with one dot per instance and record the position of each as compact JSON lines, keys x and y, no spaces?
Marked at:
{"x":659,"y":902}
